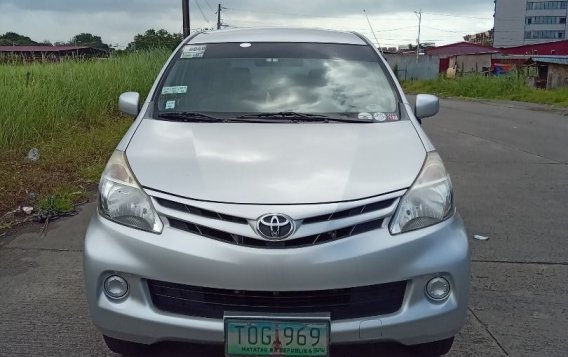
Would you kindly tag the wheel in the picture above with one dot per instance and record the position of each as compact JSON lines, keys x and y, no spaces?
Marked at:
{"x":126,"y":348}
{"x":438,"y":348}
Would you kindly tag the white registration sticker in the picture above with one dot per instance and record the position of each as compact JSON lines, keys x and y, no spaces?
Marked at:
{"x":170,"y":104}
{"x":191,"y":51}
{"x":174,"y":90}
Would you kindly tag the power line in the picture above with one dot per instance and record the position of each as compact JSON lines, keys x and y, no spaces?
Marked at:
{"x":286,"y":14}
{"x":209,"y":6}
{"x":443,"y":30}
{"x":397,"y":29}
{"x":462,"y":16}
{"x":202,"y":13}
{"x":371,"y":26}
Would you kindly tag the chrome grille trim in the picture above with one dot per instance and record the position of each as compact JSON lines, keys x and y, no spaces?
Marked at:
{"x":234,"y":224}
{"x":321,"y":238}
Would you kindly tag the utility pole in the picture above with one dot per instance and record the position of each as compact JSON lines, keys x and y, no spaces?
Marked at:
{"x":219,"y":24}
{"x":185,"y":15}
{"x":419,"y":15}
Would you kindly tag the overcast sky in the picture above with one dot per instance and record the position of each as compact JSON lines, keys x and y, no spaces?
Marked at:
{"x":117,"y":21}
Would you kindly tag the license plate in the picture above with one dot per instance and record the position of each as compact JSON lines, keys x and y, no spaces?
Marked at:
{"x":270,"y":337}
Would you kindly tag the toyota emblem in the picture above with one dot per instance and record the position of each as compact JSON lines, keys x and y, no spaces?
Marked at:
{"x":275,"y":226}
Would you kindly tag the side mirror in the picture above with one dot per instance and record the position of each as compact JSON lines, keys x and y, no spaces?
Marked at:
{"x":129,"y":103}
{"x":426,"y":106}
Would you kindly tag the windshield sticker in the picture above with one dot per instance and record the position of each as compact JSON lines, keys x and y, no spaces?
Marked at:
{"x":170,"y":104}
{"x":365,"y":116}
{"x":193,"y":51}
{"x":174,"y":90}
{"x":246,"y":45}
{"x":380,"y":117}
{"x":392,"y":117}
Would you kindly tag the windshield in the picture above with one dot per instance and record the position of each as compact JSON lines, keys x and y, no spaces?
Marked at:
{"x":235,"y":79}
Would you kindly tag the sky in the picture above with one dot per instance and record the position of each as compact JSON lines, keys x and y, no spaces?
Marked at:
{"x":117,"y":21}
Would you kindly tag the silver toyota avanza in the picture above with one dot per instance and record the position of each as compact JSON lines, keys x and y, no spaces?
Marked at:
{"x":277,"y":195}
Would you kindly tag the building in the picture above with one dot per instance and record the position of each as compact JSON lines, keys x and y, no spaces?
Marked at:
{"x":556,"y":48}
{"x":50,"y":53}
{"x":469,"y":57}
{"x":551,"y":71}
{"x":522,"y":22}
{"x":482,"y":38}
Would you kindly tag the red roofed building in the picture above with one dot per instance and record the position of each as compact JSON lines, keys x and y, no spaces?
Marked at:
{"x":459,"y":49}
{"x":558,"y":48}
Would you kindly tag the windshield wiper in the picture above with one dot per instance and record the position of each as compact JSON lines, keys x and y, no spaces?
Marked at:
{"x":190,"y":117}
{"x":298,"y":117}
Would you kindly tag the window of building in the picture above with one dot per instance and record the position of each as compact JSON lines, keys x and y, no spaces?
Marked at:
{"x":537,"y":35}
{"x":545,"y":20}
{"x":547,"y":5}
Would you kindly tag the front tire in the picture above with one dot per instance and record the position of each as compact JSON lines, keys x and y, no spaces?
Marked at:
{"x":126,"y":348}
{"x":438,"y":348}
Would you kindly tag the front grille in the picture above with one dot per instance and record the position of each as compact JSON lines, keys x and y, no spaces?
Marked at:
{"x":321,"y":238}
{"x":342,"y":304}
{"x":200,"y":211}
{"x":206,"y":230}
{"x":376,"y":206}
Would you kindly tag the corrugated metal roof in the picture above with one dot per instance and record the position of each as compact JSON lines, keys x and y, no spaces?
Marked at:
{"x":40,"y":48}
{"x":551,"y":59}
{"x":460,"y":48}
{"x":555,"y":48}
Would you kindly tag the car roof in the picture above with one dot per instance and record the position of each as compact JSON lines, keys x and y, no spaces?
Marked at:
{"x":278,"y":35}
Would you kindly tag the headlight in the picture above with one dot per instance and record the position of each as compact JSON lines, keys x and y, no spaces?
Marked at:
{"x":429,"y":201}
{"x":122,"y":200}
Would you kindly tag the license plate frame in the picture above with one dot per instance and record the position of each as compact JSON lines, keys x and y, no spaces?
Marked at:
{"x":322,"y":323}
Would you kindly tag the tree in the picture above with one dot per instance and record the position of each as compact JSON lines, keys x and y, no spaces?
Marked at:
{"x":89,"y":40}
{"x":12,"y":38}
{"x":155,"y":39}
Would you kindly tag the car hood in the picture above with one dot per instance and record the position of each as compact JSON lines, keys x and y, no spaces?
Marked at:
{"x":275,"y":163}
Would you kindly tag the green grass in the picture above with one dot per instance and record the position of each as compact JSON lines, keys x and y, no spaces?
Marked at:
{"x":69,"y":112}
{"x":510,"y":87}
{"x":39,"y":101}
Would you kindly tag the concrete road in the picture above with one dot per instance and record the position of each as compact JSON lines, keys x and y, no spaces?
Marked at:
{"x":510,"y":170}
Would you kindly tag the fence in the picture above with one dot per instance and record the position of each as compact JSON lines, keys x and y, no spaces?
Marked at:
{"x":407,"y":68}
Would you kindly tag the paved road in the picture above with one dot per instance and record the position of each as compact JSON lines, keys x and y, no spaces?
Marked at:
{"x":510,"y":170}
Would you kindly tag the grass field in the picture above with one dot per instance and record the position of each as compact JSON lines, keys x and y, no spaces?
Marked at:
{"x":509,"y":87}
{"x":69,"y":112}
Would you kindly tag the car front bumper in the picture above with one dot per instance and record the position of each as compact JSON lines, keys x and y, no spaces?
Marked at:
{"x":371,"y":258}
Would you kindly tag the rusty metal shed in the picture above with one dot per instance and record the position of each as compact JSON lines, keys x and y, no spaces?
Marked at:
{"x":552,"y":71}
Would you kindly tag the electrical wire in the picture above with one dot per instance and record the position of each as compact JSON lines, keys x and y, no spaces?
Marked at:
{"x":209,"y":6}
{"x":202,"y":13}
{"x":286,"y":14}
{"x":460,"y":16}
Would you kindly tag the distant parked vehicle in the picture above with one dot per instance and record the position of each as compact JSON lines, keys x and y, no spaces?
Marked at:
{"x":276,"y":194}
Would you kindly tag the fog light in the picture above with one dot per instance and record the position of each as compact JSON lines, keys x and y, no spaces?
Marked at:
{"x":115,"y":287}
{"x":438,"y":289}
